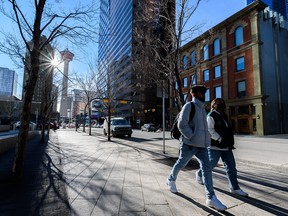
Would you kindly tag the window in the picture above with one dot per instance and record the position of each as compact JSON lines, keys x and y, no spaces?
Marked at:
{"x":185,"y":82}
{"x":192,"y":58}
{"x":184,"y":61}
{"x":206,"y":75}
{"x":207,"y":95}
{"x":216,"y":46}
{"x":176,"y":85}
{"x":193,"y":79}
{"x":218,"y":92}
{"x":240,"y":64}
{"x":185,"y":97}
{"x":217,"y":71}
{"x":205,"y":52}
{"x":238,"y":34}
{"x":241,"y":88}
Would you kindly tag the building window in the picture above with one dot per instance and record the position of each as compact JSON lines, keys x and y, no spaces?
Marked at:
{"x":216,"y":45}
{"x":238,"y":36}
{"x":206,"y":75}
{"x":241,"y":88}
{"x":192,"y":58}
{"x":207,"y":95}
{"x":193,"y":79}
{"x":185,"y":82}
{"x":240,"y":64}
{"x":176,"y":85}
{"x":185,"y":97}
{"x":205,"y":52}
{"x":218,"y":92}
{"x":184,"y":61}
{"x":217,"y":71}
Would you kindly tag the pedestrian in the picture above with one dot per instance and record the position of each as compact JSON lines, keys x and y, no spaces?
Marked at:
{"x":222,"y":144}
{"x":194,"y":140}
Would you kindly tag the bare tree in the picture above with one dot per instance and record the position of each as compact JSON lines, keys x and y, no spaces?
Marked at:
{"x":159,"y":42}
{"x":87,"y":84}
{"x":77,"y":26}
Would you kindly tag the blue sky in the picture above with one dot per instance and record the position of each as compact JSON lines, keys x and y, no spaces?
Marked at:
{"x":210,"y":12}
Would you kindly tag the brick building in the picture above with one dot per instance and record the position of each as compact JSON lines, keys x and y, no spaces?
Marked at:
{"x":244,"y":60}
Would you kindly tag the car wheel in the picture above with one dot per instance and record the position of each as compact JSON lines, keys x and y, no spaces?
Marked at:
{"x":105,"y":134}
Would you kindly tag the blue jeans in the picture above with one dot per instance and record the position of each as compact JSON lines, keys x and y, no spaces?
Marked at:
{"x":229,"y":164}
{"x":186,"y":154}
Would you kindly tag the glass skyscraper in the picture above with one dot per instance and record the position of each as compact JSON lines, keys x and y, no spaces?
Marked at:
{"x":127,"y":28}
{"x":8,"y":82}
{"x":281,"y":6}
{"x":115,"y":51}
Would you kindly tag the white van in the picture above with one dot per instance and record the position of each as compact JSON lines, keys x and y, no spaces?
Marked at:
{"x":119,"y":127}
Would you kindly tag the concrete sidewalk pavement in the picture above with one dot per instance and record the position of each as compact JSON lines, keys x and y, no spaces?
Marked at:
{"x":78,"y":174}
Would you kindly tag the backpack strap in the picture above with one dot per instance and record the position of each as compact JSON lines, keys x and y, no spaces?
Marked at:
{"x":192,"y":111}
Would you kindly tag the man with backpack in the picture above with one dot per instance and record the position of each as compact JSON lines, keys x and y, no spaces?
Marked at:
{"x":194,"y":140}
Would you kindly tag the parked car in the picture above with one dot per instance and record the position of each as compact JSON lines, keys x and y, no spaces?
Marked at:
{"x":119,"y":127}
{"x":32,"y":125}
{"x":149,"y":127}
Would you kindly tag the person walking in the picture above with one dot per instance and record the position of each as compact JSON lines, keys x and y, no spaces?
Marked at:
{"x":194,"y":140}
{"x":222,"y":144}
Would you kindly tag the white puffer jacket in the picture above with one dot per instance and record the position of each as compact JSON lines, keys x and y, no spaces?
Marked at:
{"x":195,"y":132}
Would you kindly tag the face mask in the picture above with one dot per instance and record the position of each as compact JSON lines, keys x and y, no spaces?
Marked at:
{"x":201,"y":98}
{"x":221,"y":107}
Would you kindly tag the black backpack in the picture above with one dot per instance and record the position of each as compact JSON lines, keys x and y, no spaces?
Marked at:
{"x":175,"y":133}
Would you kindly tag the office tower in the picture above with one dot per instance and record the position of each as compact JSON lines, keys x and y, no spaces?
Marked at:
{"x":43,"y":88}
{"x":8,"y":82}
{"x":120,"y":43}
{"x":281,"y":6}
{"x":65,"y":102}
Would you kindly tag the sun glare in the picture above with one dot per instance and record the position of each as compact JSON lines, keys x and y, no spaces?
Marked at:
{"x":55,"y":62}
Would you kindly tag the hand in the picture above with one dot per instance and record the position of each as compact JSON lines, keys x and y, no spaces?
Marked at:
{"x":219,"y":139}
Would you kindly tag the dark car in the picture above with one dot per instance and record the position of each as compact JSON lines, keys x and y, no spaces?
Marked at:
{"x":148,"y":127}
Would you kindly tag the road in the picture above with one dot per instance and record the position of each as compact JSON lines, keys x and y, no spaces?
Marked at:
{"x":270,"y":151}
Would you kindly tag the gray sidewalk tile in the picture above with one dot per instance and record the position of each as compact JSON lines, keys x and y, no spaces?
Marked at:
{"x":132,"y":200}
{"x":107,"y":205}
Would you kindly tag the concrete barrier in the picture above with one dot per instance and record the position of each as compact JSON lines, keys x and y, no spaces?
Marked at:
{"x":9,"y":142}
{"x":4,"y":128}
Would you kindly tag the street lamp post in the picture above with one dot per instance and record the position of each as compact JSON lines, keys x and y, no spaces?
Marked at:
{"x":163,"y":114}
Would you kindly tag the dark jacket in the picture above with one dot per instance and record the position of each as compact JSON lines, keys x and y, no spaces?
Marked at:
{"x":223,"y":129}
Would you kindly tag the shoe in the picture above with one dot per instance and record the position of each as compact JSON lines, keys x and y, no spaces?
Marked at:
{"x":171,"y":185}
{"x":199,"y":179}
{"x":239,"y":192}
{"x":215,"y":203}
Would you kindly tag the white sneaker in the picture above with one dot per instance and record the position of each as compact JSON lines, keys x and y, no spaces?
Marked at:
{"x":239,"y":192}
{"x":171,"y":185}
{"x":199,"y":179}
{"x":215,"y":203}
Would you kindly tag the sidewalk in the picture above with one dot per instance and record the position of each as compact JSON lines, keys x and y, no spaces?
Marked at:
{"x":78,"y":174}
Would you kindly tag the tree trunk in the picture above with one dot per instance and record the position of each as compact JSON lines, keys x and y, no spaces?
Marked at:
{"x":24,"y":127}
{"x":25,"y":118}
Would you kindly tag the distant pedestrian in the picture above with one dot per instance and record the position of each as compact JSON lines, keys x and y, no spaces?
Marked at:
{"x":222,"y":144}
{"x":194,"y":140}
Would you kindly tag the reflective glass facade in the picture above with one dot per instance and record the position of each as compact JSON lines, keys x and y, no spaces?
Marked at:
{"x":281,"y":6}
{"x":115,"y":49}
{"x":8,"y":82}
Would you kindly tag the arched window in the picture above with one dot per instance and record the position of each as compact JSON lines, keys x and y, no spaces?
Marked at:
{"x":239,"y":39}
{"x":205,"y":52}
{"x":216,"y":45}
{"x":184,"y":61}
{"x":192,"y":58}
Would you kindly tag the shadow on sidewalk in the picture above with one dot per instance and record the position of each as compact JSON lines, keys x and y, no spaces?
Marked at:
{"x":268,"y":207}
{"x":42,"y":188}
